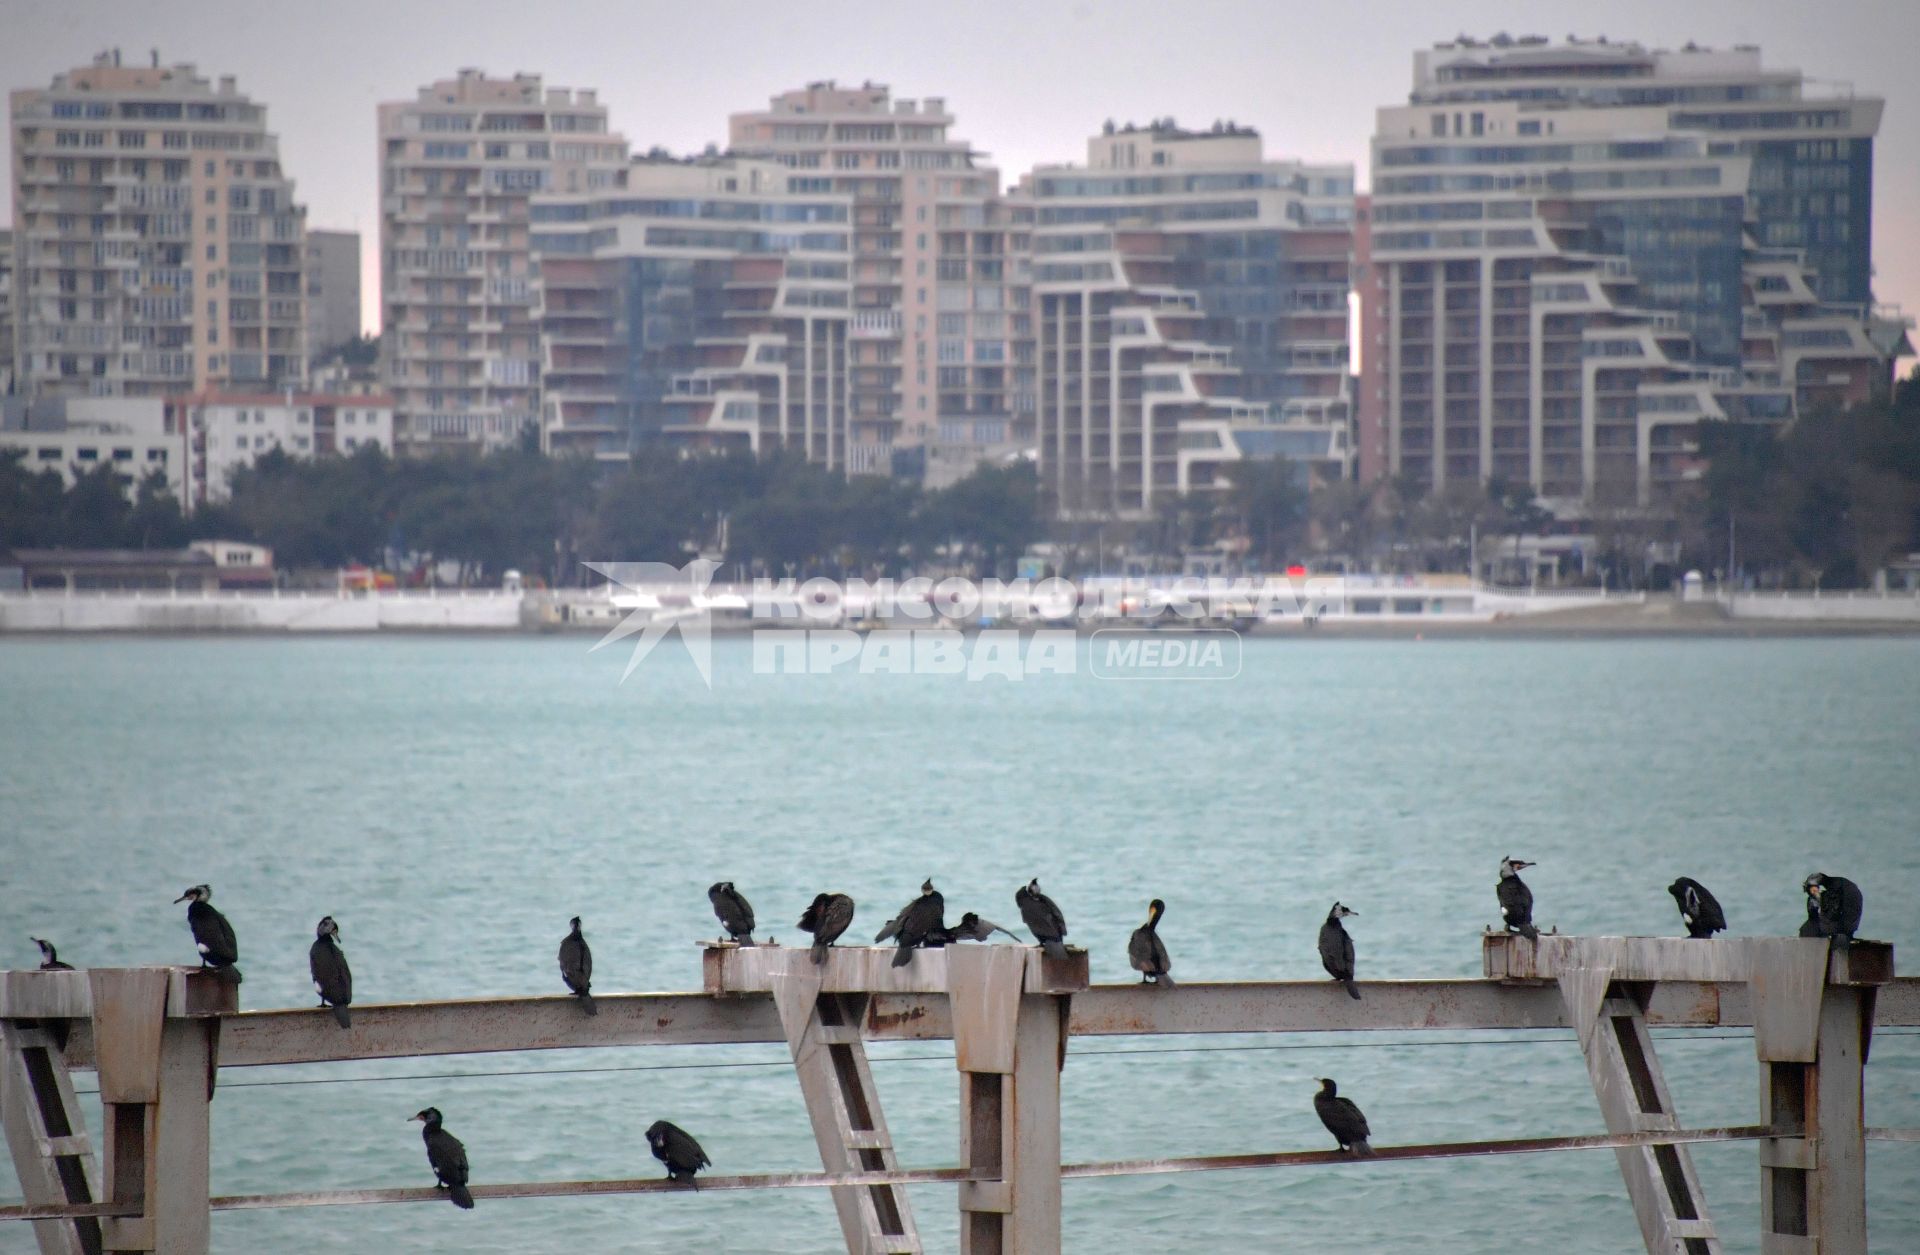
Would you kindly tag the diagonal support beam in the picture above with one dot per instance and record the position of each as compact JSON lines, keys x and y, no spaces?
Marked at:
{"x":830,"y":1058}
{"x":1609,"y":1017}
{"x":47,"y":1134}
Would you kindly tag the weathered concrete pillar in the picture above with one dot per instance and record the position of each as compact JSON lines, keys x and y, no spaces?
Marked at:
{"x":156,"y":1050}
{"x":1813,"y":1022}
{"x":1009,"y":1032}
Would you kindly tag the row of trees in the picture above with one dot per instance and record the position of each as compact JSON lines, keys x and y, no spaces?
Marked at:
{"x":518,"y":509}
{"x":1827,"y":502}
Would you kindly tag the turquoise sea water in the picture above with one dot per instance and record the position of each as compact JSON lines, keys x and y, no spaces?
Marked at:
{"x":451,"y":801}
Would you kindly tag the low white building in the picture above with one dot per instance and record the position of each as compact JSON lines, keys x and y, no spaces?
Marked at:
{"x":228,"y":431}
{"x":74,"y":435}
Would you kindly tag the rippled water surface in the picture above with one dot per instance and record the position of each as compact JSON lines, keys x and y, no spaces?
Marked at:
{"x":453,"y":800}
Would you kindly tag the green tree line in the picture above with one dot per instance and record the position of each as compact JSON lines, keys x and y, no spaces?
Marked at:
{"x":518,"y":509}
{"x":1828,"y":501}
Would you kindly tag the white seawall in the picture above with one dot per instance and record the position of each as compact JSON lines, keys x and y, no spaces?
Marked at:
{"x":476,"y":611}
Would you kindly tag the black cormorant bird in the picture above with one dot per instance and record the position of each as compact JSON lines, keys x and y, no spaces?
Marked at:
{"x":49,"y":958}
{"x":734,"y":912}
{"x":1699,"y":910}
{"x":1336,"y":949}
{"x":448,"y":1158}
{"x":332,"y":979}
{"x":1516,"y":900}
{"x":576,"y":966}
{"x":1146,"y":952}
{"x":1834,"y":904}
{"x":972,"y":928}
{"x":1043,"y":918}
{"x":675,"y":1147}
{"x":1343,"y":1119}
{"x":919,"y":921}
{"x":212,"y":935}
{"x":1810,"y":927}
{"x":826,"y":919}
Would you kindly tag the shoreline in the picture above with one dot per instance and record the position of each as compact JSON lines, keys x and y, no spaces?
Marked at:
{"x":1531,"y":627}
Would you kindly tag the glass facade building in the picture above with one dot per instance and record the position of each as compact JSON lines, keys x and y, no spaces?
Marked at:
{"x":1578,"y":252}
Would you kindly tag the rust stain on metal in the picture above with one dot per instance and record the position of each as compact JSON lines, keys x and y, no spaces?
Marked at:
{"x":879,"y":1021}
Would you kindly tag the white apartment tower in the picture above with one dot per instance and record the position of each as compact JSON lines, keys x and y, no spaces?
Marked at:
{"x":157,"y":245}
{"x":1191,"y":299}
{"x":458,"y":164}
{"x":702,"y":305}
{"x":1584,"y":250}
{"x":940,"y":296}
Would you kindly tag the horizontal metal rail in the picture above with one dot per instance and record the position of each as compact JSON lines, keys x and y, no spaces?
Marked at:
{"x":489,"y":1025}
{"x":931,"y":1176}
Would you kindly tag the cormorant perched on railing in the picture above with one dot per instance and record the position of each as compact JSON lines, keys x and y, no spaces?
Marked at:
{"x":675,"y":1147}
{"x":576,"y":966}
{"x":212,"y":935}
{"x":1043,"y":918}
{"x":1336,"y":948}
{"x":972,"y":928}
{"x":1343,"y":1118}
{"x":1834,"y":905}
{"x":1146,"y":952}
{"x":50,"y":958}
{"x":447,"y":1157}
{"x":332,"y":979}
{"x":733,"y":911}
{"x":917,"y":923}
{"x":1699,"y":910}
{"x":826,"y":918}
{"x":1516,"y":900}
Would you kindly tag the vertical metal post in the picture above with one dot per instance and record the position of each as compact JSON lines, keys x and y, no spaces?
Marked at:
{"x":1813,"y":1020}
{"x":1839,"y":1202}
{"x":156,"y":1060}
{"x":1008,"y":1045}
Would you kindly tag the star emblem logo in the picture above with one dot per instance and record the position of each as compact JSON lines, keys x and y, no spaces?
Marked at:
{"x":666,"y":599}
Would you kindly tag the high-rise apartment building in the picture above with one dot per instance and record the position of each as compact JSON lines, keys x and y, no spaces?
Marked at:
{"x":333,"y":289}
{"x":1584,"y":250}
{"x":703,"y":304}
{"x":1192,"y":300}
{"x":458,"y":165}
{"x":6,"y":313}
{"x":940,"y":302}
{"x":157,"y":245}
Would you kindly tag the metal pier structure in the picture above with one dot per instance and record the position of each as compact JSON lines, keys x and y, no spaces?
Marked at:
{"x":158,"y":1037}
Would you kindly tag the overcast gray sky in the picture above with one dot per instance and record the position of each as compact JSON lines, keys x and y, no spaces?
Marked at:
{"x":1028,"y":79}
